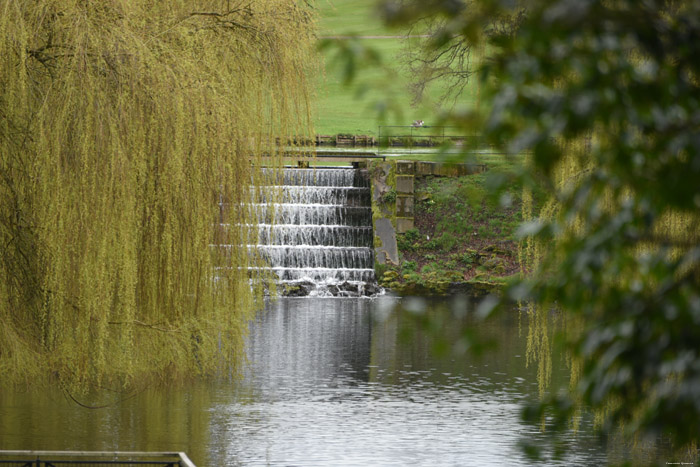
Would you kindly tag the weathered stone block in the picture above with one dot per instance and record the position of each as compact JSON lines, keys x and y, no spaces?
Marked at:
{"x":389,"y":251}
{"x":404,"y":206}
{"x":379,"y":181}
{"x":451,"y":170}
{"x":404,"y":184}
{"x":405,"y":167}
{"x":404,"y":224}
{"x":424,"y":168}
{"x":477,"y":168}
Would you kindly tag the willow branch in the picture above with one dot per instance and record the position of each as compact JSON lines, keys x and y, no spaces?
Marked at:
{"x":146,"y":325}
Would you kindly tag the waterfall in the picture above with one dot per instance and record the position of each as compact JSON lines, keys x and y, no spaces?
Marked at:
{"x":313,"y":231}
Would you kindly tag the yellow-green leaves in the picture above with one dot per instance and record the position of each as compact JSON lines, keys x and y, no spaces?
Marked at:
{"x":122,"y":127}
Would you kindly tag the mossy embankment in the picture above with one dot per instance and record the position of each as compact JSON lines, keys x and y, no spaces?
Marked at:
{"x":464,"y":239}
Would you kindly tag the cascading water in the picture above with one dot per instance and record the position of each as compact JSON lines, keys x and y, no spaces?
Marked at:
{"x":314,"y":231}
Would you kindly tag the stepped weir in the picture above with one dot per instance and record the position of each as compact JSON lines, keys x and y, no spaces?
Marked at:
{"x":314,"y":231}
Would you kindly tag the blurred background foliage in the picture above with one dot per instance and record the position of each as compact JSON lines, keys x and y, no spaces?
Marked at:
{"x":599,"y":102}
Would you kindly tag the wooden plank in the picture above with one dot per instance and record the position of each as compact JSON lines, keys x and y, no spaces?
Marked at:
{"x":185,"y":461}
{"x":179,"y":457}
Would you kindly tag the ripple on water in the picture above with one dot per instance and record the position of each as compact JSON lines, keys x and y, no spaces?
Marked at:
{"x":331,"y":386}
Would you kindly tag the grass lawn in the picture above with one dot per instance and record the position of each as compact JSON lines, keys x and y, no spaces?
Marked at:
{"x":341,"y":17}
{"x":353,"y":109}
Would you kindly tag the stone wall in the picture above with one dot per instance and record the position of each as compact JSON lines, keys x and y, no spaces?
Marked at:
{"x":405,"y":175}
{"x":383,"y":182}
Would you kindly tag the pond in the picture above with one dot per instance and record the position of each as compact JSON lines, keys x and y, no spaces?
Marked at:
{"x":329,"y":382}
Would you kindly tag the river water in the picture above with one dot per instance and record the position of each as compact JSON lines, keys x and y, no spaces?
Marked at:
{"x":330,"y":382}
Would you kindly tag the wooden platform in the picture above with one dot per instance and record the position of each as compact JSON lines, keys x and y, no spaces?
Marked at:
{"x":51,"y":458}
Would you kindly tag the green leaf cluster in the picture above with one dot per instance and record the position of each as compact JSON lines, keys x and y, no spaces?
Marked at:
{"x":604,"y":98}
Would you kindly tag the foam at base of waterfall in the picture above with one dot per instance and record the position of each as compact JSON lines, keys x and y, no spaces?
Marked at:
{"x":359,"y":289}
{"x":319,"y":275}
{"x":344,"y":289}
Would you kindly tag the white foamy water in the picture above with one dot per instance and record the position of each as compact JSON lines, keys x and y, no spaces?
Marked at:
{"x":313,"y":226}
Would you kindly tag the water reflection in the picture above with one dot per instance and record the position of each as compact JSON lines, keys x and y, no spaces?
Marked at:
{"x":330,"y":382}
{"x":164,"y":419}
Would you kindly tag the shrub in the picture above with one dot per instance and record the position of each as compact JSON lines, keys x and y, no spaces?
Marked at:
{"x":430,"y":267}
{"x":412,"y":277}
{"x":470,"y":257}
{"x":380,"y":269}
{"x":431,"y":245}
{"x":412,"y":235}
{"x":450,"y":265}
{"x":472,"y":194}
{"x":447,"y":241}
{"x":404,"y":244}
{"x":409,"y":241}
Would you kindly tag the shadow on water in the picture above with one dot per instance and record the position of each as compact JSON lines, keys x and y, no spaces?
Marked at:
{"x":330,"y":382}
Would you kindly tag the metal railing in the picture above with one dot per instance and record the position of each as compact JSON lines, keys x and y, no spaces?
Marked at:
{"x":93,"y":458}
{"x":410,"y":136}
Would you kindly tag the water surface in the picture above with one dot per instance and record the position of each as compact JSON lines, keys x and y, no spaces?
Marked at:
{"x":330,"y":382}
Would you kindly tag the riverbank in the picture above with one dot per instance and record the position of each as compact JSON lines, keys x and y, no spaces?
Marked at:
{"x":463,"y":240}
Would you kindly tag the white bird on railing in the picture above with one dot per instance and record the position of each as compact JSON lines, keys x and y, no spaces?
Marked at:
{"x":417,"y":123}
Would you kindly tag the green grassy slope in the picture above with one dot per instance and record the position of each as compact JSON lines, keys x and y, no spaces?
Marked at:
{"x":340,"y":17}
{"x":339,"y":108}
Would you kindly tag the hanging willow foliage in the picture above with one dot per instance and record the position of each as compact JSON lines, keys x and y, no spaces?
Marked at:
{"x":123,"y":124}
{"x":604,"y":96}
{"x":670,"y":236}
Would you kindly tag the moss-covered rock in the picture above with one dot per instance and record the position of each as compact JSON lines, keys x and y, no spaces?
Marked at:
{"x":298,"y":289}
{"x":390,"y":275}
{"x":494,"y":265}
{"x":481,"y":288}
{"x":497,"y":250}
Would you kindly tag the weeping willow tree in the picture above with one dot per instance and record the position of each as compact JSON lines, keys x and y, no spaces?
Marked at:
{"x":128,"y":131}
